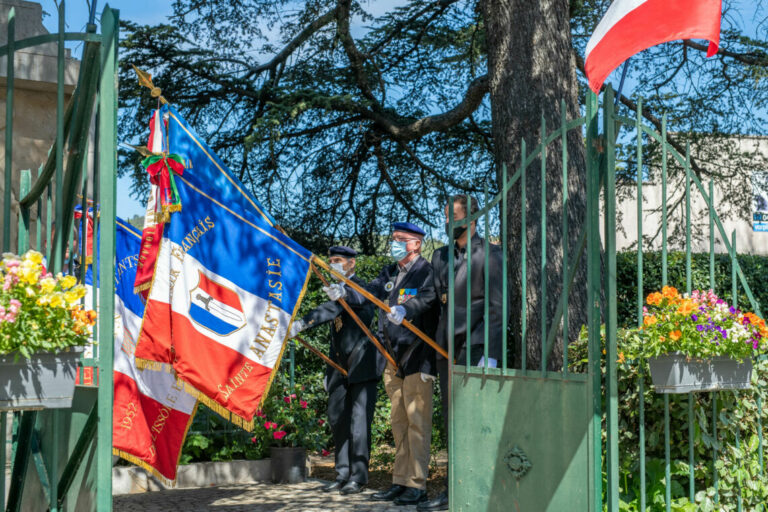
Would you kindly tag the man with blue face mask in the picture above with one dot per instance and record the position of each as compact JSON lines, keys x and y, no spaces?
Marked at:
{"x":351,"y":399}
{"x":407,"y":287}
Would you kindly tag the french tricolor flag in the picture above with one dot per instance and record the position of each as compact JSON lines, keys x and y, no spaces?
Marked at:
{"x":630,"y":26}
{"x":226,"y":286}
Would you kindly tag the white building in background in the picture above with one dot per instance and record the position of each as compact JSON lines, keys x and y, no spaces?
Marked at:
{"x":751,"y":230}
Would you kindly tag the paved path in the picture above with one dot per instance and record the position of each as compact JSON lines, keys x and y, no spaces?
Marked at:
{"x":258,"y":497}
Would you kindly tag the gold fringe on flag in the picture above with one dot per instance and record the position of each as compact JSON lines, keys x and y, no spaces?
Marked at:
{"x":146,"y":364}
{"x":145,"y":466}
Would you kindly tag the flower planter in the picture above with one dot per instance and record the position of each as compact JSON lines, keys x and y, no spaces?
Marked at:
{"x":45,"y":381}
{"x":675,"y":373}
{"x":289,"y":464}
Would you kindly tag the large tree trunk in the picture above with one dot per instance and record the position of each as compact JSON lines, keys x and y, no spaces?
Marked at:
{"x":531,"y":69}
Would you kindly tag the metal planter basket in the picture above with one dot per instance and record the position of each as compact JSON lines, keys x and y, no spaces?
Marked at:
{"x":676,"y":373}
{"x":288,"y":464}
{"x":44,"y":381}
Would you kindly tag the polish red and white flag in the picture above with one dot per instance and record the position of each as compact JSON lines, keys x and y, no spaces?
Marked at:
{"x":631,"y":26}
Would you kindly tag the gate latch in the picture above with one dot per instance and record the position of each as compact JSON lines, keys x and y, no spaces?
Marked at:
{"x":518,"y":462}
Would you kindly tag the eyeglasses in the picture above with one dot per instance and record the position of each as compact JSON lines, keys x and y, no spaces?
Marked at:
{"x":401,"y":239}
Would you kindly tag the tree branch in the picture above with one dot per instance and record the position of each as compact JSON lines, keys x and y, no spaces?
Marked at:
{"x":752,"y":59}
{"x":356,"y":57}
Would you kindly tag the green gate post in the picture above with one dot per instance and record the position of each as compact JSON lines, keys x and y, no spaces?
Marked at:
{"x":593,"y":298}
{"x":107,"y":170}
{"x":9,"y":132}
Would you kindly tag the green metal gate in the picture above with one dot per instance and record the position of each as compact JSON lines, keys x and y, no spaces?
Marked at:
{"x":538,"y":440}
{"x":62,"y":459}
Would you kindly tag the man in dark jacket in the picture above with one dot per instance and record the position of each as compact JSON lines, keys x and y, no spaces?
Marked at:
{"x":351,"y":399}
{"x":459,"y":206}
{"x":407,"y":287}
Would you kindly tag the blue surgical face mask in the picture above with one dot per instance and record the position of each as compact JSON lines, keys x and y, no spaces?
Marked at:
{"x":338,"y":267}
{"x":397,"y":250}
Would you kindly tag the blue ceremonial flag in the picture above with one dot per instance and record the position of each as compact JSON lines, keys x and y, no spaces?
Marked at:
{"x":226,"y":285}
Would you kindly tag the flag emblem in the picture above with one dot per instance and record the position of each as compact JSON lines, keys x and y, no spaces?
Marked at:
{"x":215,"y":307}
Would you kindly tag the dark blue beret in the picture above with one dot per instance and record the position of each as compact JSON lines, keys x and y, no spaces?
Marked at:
{"x":340,"y":250}
{"x":407,"y":226}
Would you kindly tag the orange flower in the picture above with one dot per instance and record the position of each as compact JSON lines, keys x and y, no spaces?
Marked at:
{"x":654,"y":299}
{"x":669,"y":292}
{"x":686,"y":307}
{"x":649,"y":320}
{"x":675,"y":335}
{"x":621,"y":357}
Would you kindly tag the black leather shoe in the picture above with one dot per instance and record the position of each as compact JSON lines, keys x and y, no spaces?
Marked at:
{"x":390,"y":494}
{"x":352,"y":487}
{"x":411,"y":497}
{"x":439,"y":503}
{"x":333,"y":486}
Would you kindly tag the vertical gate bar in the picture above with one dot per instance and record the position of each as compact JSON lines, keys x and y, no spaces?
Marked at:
{"x":292,"y":350}
{"x":565,"y":238}
{"x":468,"y":258}
{"x":760,"y":433}
{"x":543,"y":262}
{"x":688,"y":262}
{"x":53,"y":466}
{"x":39,"y":224}
{"x":641,"y":388}
{"x":107,"y":169}
{"x":739,"y":501}
{"x":611,"y":349}
{"x":504,"y":305}
{"x":97,"y":213}
{"x":710,"y":211}
{"x":83,"y":238}
{"x":48,"y":224}
{"x":593,"y":296}
{"x":58,"y":257}
{"x":714,"y":448}
{"x":21,"y":455}
{"x":9,"y":130}
{"x":640,"y":293}
{"x":639,"y":121}
{"x":523,"y":259}
{"x":3,"y":462}
{"x":734,"y":284}
{"x":451,"y":332}
{"x":691,"y":436}
{"x":486,"y":279}
{"x":664,"y":200}
{"x":25,"y":180}
{"x":667,"y":472}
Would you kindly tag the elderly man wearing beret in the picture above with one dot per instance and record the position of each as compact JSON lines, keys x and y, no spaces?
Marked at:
{"x":407,"y":287}
{"x":351,"y":399}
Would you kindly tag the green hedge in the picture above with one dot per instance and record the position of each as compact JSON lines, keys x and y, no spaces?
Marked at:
{"x":755,"y":270}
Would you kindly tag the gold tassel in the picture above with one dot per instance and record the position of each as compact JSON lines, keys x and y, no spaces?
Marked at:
{"x":145,"y":466}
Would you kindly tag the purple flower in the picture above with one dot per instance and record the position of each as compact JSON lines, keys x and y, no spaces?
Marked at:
{"x":699,"y":328}
{"x":732,"y":310}
{"x":694,"y":317}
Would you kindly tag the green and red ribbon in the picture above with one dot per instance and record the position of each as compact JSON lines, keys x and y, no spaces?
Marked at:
{"x":161,"y":169}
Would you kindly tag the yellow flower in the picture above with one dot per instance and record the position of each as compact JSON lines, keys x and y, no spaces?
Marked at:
{"x":47,"y":284}
{"x":42,"y":301}
{"x":56,"y":300}
{"x":34,"y":257}
{"x":67,"y":282}
{"x":28,"y":275}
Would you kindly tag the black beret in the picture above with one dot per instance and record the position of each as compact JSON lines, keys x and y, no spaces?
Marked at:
{"x":407,"y":226}
{"x":340,"y":250}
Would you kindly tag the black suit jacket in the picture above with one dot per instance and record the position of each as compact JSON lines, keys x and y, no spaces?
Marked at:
{"x":476,"y":331}
{"x":350,"y":347}
{"x":416,"y":293}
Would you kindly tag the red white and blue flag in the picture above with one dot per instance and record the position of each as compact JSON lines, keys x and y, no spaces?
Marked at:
{"x":152,"y":409}
{"x":630,"y":26}
{"x":226,"y":285}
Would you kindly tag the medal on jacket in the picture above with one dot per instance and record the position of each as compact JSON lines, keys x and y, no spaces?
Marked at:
{"x":389,"y":286}
{"x":337,"y":323}
{"x":444,"y":298}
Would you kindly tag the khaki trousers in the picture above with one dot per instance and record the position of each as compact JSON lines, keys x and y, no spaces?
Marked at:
{"x":411,"y":426}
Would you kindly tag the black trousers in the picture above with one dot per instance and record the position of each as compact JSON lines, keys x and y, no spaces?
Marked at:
{"x":350,"y":413}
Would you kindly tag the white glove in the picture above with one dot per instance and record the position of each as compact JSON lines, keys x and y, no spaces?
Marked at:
{"x":427,"y":377}
{"x":396,"y":314}
{"x":491,"y":363}
{"x":296,"y":328}
{"x":335,"y":291}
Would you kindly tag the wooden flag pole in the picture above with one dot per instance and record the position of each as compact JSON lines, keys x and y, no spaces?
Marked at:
{"x":365,"y":293}
{"x":322,"y":356}
{"x":357,"y":320}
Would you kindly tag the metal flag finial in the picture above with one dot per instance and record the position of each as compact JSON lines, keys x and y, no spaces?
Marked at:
{"x":145,"y":80}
